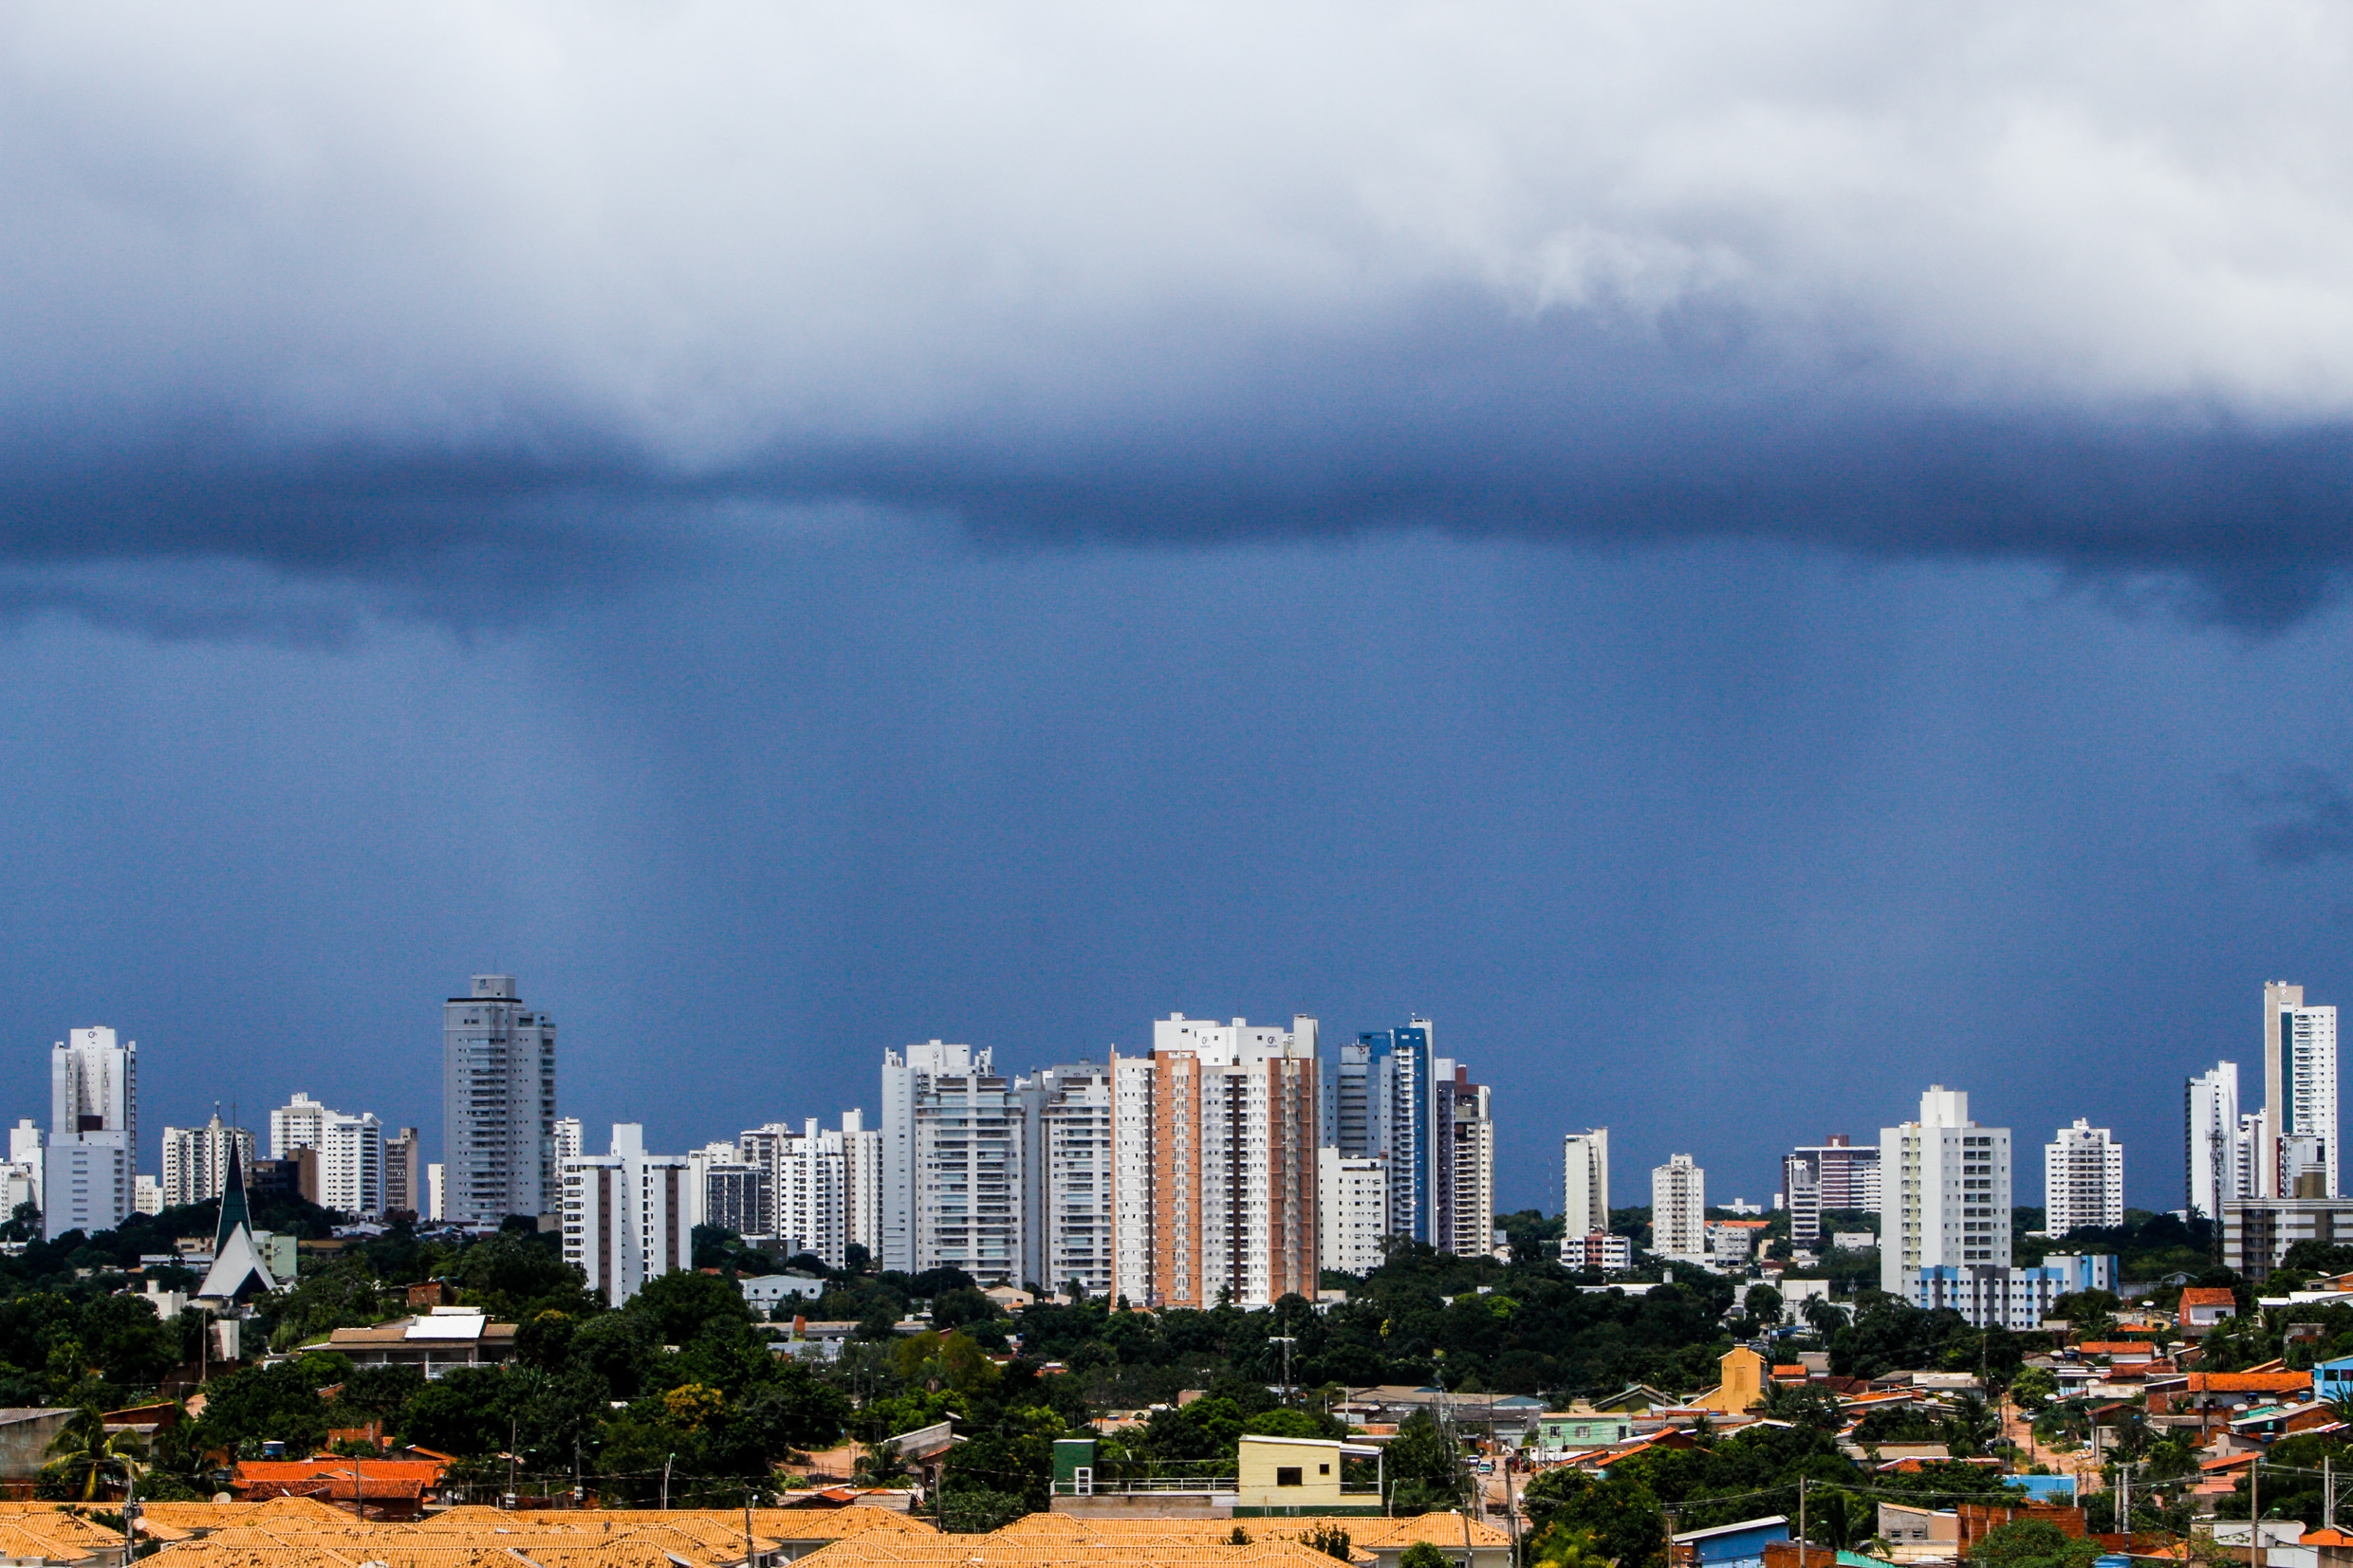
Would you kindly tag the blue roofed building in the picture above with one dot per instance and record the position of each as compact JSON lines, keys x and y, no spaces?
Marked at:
{"x":1740,"y":1546}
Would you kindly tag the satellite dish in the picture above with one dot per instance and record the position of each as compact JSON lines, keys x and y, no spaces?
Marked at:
{"x":223,"y":1497}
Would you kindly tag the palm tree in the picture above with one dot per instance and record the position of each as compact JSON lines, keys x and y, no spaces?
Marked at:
{"x":1970,"y":1426}
{"x":87,"y":1455}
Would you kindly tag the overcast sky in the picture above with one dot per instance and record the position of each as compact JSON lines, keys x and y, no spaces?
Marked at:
{"x":1743,"y":561}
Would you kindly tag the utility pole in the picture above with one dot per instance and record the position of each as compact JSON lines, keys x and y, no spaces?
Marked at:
{"x":1802,"y":1537}
{"x":1285,"y":1340}
{"x":666,"y":1481}
{"x":2328,"y":1494}
{"x":751,"y":1558}
{"x":2254,"y":1512}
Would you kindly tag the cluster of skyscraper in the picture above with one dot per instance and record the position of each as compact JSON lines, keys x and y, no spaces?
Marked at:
{"x":82,"y":1170}
{"x":1225,"y":1163}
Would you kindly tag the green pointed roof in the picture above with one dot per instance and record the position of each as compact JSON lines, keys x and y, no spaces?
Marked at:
{"x":233,"y":1214}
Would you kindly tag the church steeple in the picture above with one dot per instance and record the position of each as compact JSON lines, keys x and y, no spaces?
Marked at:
{"x":237,"y":1268}
{"x":232,"y":1207}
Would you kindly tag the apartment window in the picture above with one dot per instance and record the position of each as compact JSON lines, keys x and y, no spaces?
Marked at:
{"x":1287,"y":1475}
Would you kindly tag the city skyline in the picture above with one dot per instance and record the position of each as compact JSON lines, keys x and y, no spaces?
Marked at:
{"x":1335,"y":1076}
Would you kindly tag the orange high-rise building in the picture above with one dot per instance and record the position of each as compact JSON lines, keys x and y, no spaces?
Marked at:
{"x":1213,"y":1165}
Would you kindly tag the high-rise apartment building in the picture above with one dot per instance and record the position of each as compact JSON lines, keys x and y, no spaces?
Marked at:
{"x":88,"y":1166}
{"x":1351,"y":1210}
{"x":1214,"y":1164}
{"x":1832,"y":1174}
{"x":734,"y":1196}
{"x":2298,"y":1153}
{"x":862,"y":1146}
{"x":403,"y":1173}
{"x":350,"y":1153}
{"x":498,"y":1104}
{"x":1585,"y":1189}
{"x":818,"y":1188}
{"x":624,"y":1215}
{"x":2083,"y":1179}
{"x":1385,"y":1110}
{"x":951,"y":1163}
{"x":568,"y":1138}
{"x":1463,"y":1164}
{"x":1394,"y":1100}
{"x":196,"y":1160}
{"x":1067,"y":1176}
{"x":2216,"y":1152}
{"x":1678,"y":1210}
{"x":1947,"y":1192}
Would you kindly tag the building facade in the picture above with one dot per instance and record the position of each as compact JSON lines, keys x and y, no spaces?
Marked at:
{"x":1584,"y":1191}
{"x":2258,"y":1233}
{"x":1214,"y":1164}
{"x":951,"y":1163}
{"x":1351,"y":1210}
{"x":92,"y":1154}
{"x":349,"y":1149}
{"x":403,"y":1173}
{"x":1463,"y":1162}
{"x":1597,"y":1249}
{"x":1067,"y":1176}
{"x":1832,"y":1174}
{"x":1678,"y":1210}
{"x":2083,"y":1179}
{"x":2216,"y":1157}
{"x":196,"y":1160}
{"x":1947,"y":1191}
{"x":498,"y":1105}
{"x":624,"y":1215}
{"x":2297,"y":1155}
{"x":1998,"y":1295}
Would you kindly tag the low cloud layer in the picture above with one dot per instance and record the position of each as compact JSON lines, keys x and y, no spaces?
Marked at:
{"x":340,"y":291}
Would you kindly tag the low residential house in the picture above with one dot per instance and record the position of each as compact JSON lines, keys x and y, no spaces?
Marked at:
{"x":26,"y":1433}
{"x":1742,"y":1373}
{"x":810,"y":1339}
{"x":2281,"y":1546}
{"x":2202,"y":1307}
{"x":371,"y":1488}
{"x":1978,"y":1520}
{"x":433,"y":1343}
{"x":1301,"y":1475}
{"x":1737,"y":1545}
{"x":1386,"y":1540}
{"x":2217,"y":1396}
{"x":2334,"y":1379}
{"x":1559,"y":1433}
{"x":1920,"y":1534}
{"x":1510,"y":1416}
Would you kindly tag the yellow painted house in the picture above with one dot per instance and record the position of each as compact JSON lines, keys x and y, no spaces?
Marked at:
{"x":1743,"y":1373}
{"x":1287,"y":1475}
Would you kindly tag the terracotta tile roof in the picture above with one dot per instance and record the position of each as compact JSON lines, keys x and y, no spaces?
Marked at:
{"x":2207,"y":1296}
{"x":2248,"y":1382}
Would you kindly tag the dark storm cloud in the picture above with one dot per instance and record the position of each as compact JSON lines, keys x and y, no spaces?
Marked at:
{"x":2307,"y":814}
{"x":366,"y":294}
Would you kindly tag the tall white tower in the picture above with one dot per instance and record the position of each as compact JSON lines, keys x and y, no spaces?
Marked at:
{"x":498,"y":1105}
{"x":1944,"y":1191}
{"x":2083,"y":1179}
{"x":93,"y":1150}
{"x":1585,"y":1184}
{"x":2211,"y":1123}
{"x":1678,"y":1210}
{"x":2299,"y":1151}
